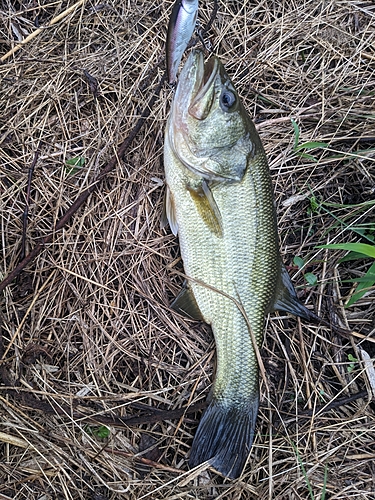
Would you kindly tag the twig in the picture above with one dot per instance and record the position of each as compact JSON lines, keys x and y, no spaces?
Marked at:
{"x":149,"y":416}
{"x":212,"y":18}
{"x":154,"y":415}
{"x":92,"y":82}
{"x":319,"y":410}
{"x":39,"y":30}
{"x":335,"y":404}
{"x":143,"y":460}
{"x":27,"y":203}
{"x":13,"y":440}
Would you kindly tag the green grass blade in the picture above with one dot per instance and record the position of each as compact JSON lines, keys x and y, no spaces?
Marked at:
{"x":362,"y":248}
{"x":353,"y":256}
{"x":341,"y":221}
{"x":362,"y":206}
{"x":363,"y":286}
{"x":309,"y":157}
{"x":324,"y":482}
{"x":309,"y":487}
{"x":296,"y":133}
{"x":365,"y":279}
{"x":311,"y":145}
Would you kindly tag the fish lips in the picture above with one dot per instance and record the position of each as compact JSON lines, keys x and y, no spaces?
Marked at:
{"x":196,"y":87}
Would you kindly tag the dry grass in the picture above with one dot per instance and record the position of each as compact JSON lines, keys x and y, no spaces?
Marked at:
{"x":87,"y":328}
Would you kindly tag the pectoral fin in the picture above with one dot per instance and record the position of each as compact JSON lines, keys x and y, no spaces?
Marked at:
{"x":287,"y":300}
{"x":207,"y":207}
{"x":168,"y":215}
{"x":186,"y":304}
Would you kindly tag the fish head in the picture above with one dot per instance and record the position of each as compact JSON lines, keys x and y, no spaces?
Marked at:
{"x":209,"y":130}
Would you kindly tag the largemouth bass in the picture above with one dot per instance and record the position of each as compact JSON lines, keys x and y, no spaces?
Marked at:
{"x":219,"y":201}
{"x":180,"y":29}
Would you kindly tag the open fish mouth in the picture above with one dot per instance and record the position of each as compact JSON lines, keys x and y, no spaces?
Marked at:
{"x":196,"y":79}
{"x":208,"y":76}
{"x":206,"y":72}
{"x":210,"y":70}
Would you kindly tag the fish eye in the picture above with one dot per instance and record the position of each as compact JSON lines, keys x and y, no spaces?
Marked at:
{"x":228,"y":100}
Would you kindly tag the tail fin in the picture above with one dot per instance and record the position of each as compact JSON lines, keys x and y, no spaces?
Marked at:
{"x":224,"y":437}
